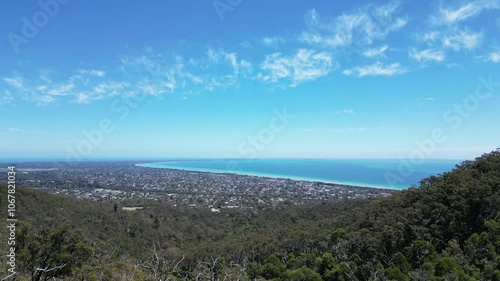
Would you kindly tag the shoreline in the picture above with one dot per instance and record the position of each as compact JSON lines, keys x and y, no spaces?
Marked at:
{"x":269,"y":176}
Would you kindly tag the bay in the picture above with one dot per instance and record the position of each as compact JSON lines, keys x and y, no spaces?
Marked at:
{"x":380,"y":173}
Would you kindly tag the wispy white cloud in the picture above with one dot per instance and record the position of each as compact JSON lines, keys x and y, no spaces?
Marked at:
{"x":273,"y":42}
{"x":16,"y":82}
{"x":94,"y":72}
{"x":45,"y":76}
{"x":150,"y":87}
{"x":246,"y":44}
{"x":365,"y":30}
{"x":358,"y":29}
{"x":42,"y":100}
{"x":221,"y":56}
{"x":376,"y":52}
{"x":83,"y":98}
{"x":42,"y":91}
{"x":6,"y":98}
{"x":429,"y":37}
{"x":346,"y":111}
{"x":378,"y":69}
{"x":448,"y":30}
{"x":217,"y":69}
{"x":347,"y":72}
{"x":305,"y":65}
{"x":226,"y":69}
{"x":463,"y":39}
{"x":59,"y":90}
{"x":426,"y":55}
{"x":452,"y":15}
{"x":494,"y":57}
{"x":24,"y":90}
{"x":110,"y":88}
{"x":213,"y":55}
{"x":17,"y":130}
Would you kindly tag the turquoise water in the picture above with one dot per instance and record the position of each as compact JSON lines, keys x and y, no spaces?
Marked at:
{"x":386,"y":173}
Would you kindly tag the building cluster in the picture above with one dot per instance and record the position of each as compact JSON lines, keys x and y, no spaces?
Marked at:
{"x":123,"y":180}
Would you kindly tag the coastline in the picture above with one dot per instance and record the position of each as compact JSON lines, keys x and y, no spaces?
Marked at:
{"x":268,"y":176}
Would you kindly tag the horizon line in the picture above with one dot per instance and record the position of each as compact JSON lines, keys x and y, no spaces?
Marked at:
{"x":157,"y":159}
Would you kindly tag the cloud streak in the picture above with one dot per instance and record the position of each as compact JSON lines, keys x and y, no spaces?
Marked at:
{"x":304,"y":65}
{"x":376,"y":52}
{"x":449,"y":15}
{"x":357,"y":29}
{"x":376,"y":69}
{"x":273,"y":42}
{"x":494,"y":57}
{"x":427,"y":55}
{"x":307,"y":54}
{"x":463,"y":39}
{"x":15,"y":82}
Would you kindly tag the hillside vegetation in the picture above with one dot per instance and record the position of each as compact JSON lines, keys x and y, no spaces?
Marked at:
{"x":448,"y":228}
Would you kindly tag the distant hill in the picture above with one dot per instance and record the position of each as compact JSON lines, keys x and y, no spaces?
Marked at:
{"x":446,"y":229}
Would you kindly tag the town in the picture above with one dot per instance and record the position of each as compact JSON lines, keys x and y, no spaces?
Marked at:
{"x":123,"y":180}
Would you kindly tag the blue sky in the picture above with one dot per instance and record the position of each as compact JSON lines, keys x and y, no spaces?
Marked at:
{"x":244,"y":79}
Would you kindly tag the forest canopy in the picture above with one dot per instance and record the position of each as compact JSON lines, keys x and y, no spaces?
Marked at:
{"x":448,"y":228}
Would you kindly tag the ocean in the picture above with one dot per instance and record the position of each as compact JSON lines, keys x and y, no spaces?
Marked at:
{"x":380,"y":173}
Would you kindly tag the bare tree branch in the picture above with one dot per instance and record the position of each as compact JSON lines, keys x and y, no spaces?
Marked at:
{"x":50,"y":269}
{"x":9,"y":276}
